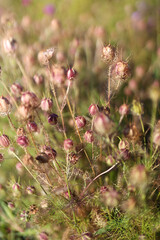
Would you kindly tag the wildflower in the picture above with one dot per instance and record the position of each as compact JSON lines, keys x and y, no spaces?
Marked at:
{"x":136,"y":108}
{"x":123,"y":109}
{"x":38,"y":79}
{"x":110,"y":160}
{"x":30,"y":190}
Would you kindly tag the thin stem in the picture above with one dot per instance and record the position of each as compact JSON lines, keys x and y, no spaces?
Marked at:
{"x":70,"y":109}
{"x":109,"y":86}
{"x":56,"y":100}
{"x":107,"y":171}
{"x":29,"y":171}
{"x":10,"y":121}
{"x":153,"y":119}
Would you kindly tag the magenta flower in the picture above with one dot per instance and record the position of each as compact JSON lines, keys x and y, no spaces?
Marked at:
{"x":49,"y":9}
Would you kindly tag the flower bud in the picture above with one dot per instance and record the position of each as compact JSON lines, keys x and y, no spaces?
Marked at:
{"x":110,"y":160}
{"x":123,"y":144}
{"x":29,"y":99}
{"x":9,"y":45}
{"x":68,"y":144}
{"x":71,"y":73}
{"x":52,"y":119}
{"x":11,"y":205}
{"x":45,"y":56}
{"x":136,"y":108}
{"x":38,"y":79}
{"x":30,"y":190}
{"x":16,"y":89}
{"x":123,"y":109}
{"x":93,"y":109}
{"x":23,"y":141}
{"x":5,"y":106}
{"x":46,"y":104}
{"x":16,"y":187}
{"x":32,"y":127}
{"x":4,"y":141}
{"x":88,"y":136}
{"x":80,"y":121}
{"x":102,"y":124}
{"x":43,"y":236}
{"x":108,"y":53}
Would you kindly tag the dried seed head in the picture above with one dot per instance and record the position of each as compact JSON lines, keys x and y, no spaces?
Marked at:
{"x":93,"y":109}
{"x":50,"y":152}
{"x":88,"y":136}
{"x":122,"y":70}
{"x":68,"y":144}
{"x":103,"y":124}
{"x":46,"y":104}
{"x":16,"y":89}
{"x":4,"y":141}
{"x":20,"y":131}
{"x":109,"y":53}
{"x":23,"y":141}
{"x":5,"y":106}
{"x":80,"y":121}
{"x":52,"y":119}
{"x":123,"y":109}
{"x":10,"y":45}
{"x":45,"y":56}
{"x":27,"y":159}
{"x":73,"y":158}
{"x":32,"y":126}
{"x":29,"y":99}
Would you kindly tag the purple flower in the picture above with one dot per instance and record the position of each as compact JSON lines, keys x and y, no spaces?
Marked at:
{"x":49,"y":9}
